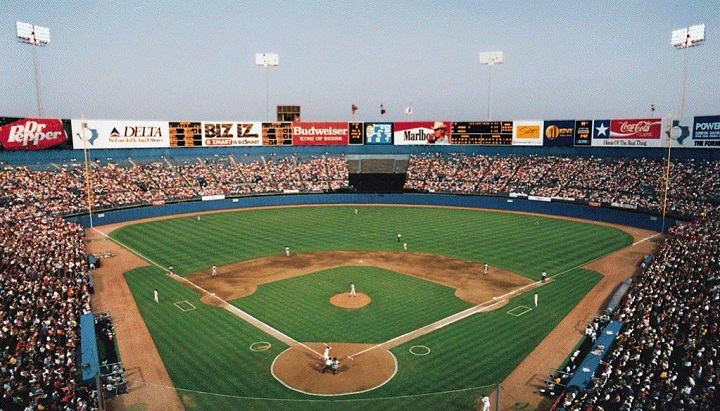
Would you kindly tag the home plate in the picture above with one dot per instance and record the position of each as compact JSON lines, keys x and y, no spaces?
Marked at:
{"x":360,"y":261}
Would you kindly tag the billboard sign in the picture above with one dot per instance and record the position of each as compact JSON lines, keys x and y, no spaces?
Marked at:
{"x":422,"y":132}
{"x":93,"y":134}
{"x":378,"y":133}
{"x":31,"y":133}
{"x":320,"y":134}
{"x":230,"y":133}
{"x":559,"y":133}
{"x":643,"y":132}
{"x":527,"y":133}
{"x":706,"y":132}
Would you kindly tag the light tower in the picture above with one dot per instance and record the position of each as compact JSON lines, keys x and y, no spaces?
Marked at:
{"x":490,"y":58}
{"x":267,"y":60}
{"x":681,"y":39}
{"x":35,"y":36}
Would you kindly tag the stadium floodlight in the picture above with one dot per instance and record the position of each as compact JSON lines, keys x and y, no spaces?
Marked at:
{"x":490,"y":58}
{"x":684,"y":39}
{"x":267,"y":60}
{"x":688,"y":37}
{"x":681,"y":39}
{"x":35,"y":36}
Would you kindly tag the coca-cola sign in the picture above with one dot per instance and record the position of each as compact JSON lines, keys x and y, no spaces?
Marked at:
{"x":32,"y":134}
{"x":639,"y":132}
{"x":636,"y":128}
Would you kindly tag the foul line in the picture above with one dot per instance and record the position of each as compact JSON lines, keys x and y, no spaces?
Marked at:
{"x":224,"y":304}
{"x":409,"y":336}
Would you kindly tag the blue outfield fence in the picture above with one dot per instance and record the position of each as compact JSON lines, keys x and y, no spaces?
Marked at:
{"x":608,"y":215}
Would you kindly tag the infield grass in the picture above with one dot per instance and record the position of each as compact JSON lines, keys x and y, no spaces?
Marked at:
{"x":206,"y":350}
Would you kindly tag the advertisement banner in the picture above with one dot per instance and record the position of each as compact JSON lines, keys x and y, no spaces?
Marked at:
{"x":229,"y":133}
{"x":31,"y":133}
{"x":378,"y":133}
{"x":583,"y":132}
{"x":320,"y":134}
{"x":559,"y":133}
{"x":527,"y":133}
{"x":706,"y":132}
{"x":644,"y":132}
{"x":422,"y":132}
{"x":119,"y":134}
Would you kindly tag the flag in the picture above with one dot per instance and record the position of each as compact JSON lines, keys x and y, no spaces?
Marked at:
{"x":382,"y":109}
{"x":354,"y":109}
{"x":408,"y":110}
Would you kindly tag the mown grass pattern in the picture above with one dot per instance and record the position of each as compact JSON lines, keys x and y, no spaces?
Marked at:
{"x":206,"y":350}
{"x":304,"y":311}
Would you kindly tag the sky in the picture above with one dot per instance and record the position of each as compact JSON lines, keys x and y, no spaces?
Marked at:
{"x":195,"y":60}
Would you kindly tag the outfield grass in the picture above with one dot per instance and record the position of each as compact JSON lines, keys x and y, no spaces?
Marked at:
{"x":206,"y":350}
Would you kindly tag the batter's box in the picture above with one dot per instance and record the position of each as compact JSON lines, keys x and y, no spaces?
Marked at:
{"x":184,"y":305}
{"x":519,"y":310}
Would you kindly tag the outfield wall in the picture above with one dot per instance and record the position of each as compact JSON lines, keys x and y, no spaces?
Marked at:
{"x":608,"y":215}
{"x":61,"y":156}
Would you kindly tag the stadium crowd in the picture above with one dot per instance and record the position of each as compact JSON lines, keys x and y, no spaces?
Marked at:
{"x":44,"y":270}
{"x":635,"y":183}
{"x":44,"y":289}
{"x":667,"y":356}
{"x":116,"y":184}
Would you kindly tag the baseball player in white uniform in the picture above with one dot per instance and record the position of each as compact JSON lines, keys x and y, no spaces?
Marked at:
{"x":352,"y":290}
{"x":486,"y":403}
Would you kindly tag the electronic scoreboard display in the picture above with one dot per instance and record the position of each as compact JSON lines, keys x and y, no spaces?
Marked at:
{"x":185,"y":134}
{"x":277,"y":134}
{"x":495,"y":133}
{"x":356,"y":133}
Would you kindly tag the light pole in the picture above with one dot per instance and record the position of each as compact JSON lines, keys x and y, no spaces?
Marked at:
{"x":681,"y":39}
{"x":490,"y":58}
{"x":35,"y":36}
{"x":267,"y":60}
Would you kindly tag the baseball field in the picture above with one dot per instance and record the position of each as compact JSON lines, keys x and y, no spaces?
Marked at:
{"x":429,"y":328}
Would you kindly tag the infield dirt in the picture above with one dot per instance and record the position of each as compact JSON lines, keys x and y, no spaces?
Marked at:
{"x":151,"y":387}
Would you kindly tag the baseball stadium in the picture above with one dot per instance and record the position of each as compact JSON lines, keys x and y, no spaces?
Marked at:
{"x":519,"y":275}
{"x":292,"y":264}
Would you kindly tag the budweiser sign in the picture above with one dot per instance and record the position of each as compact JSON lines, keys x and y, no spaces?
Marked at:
{"x":320,"y":134}
{"x":639,"y":128}
{"x":32,"y":134}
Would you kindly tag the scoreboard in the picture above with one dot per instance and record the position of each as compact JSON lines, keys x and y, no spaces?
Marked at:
{"x":185,"y":134}
{"x":355,"y":131}
{"x":494,"y":133}
{"x":277,"y":134}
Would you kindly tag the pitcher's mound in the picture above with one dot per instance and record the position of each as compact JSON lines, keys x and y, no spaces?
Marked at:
{"x":345,"y":301}
{"x":300,"y":369}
